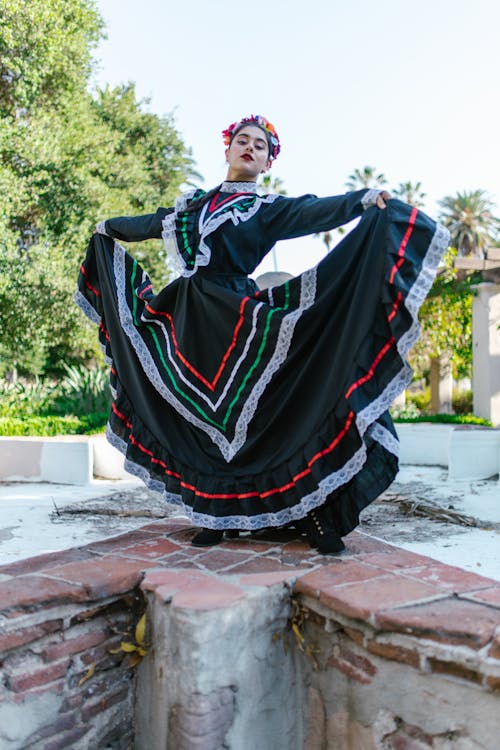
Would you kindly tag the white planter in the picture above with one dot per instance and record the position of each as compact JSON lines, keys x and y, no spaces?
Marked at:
{"x":108,"y":461}
{"x":424,"y":443}
{"x":474,"y":453}
{"x":60,"y":460}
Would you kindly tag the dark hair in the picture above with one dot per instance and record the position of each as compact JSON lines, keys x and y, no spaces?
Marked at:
{"x":242,"y":125}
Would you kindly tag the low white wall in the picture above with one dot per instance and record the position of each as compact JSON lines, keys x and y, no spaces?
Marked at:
{"x":469,"y":453}
{"x":60,"y":460}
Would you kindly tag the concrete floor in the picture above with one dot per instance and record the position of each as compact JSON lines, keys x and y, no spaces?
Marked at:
{"x":40,"y":518}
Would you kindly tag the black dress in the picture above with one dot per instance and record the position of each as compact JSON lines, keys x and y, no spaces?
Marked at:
{"x":251,"y":408}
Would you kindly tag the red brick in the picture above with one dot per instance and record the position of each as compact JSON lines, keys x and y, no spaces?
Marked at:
{"x":62,"y":723}
{"x":490,"y":596}
{"x":268,"y":579}
{"x":494,"y":652}
{"x":362,"y":600}
{"x":176,"y":579}
{"x":33,"y":592}
{"x":355,"y":635}
{"x":73,"y":645}
{"x":214,"y":594}
{"x":166,"y":527}
{"x":218,"y":558}
{"x":38,"y":563}
{"x":121,"y":541}
{"x":192,"y":589}
{"x":89,"y":710}
{"x":101,"y":577}
{"x":358,"y":543}
{"x":448,"y":620}
{"x":449,"y":578}
{"x":353,"y":665}
{"x":68,"y":740}
{"x":493,"y":683}
{"x":394,"y":653}
{"x":260,"y":565}
{"x":394,"y":558}
{"x":22,"y":636}
{"x":33,"y":678}
{"x":151,"y":549}
{"x":455,"y":670}
{"x":333,"y":575}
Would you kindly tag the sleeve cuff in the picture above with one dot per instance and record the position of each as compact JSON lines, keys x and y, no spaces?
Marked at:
{"x":100,"y":228}
{"x":370,"y":197}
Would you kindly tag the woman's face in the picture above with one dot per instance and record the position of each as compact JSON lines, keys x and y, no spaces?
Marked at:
{"x":248,"y":154}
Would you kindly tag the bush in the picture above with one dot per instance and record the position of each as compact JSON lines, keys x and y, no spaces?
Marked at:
{"x":52,"y":425}
{"x":445,"y":419}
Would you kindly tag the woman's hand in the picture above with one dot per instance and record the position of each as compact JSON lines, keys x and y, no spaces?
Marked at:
{"x":382,"y":197}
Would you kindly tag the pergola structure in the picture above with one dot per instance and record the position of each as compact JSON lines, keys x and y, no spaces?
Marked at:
{"x":485,"y":334}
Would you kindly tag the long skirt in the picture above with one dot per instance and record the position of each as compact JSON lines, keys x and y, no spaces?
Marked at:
{"x":251,"y":411}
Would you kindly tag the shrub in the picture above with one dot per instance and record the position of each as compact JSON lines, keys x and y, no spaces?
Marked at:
{"x":52,"y":425}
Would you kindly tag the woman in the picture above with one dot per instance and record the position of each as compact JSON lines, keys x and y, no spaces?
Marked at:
{"x":250,"y":408}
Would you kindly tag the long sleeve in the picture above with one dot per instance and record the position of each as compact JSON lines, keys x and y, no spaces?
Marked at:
{"x":134,"y":228}
{"x":286,"y":218}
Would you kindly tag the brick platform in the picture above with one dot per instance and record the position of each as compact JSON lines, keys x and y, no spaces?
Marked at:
{"x":373,"y":614}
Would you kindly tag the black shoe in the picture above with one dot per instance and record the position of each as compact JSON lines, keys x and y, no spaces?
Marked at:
{"x":320,"y":531}
{"x":207,"y":538}
{"x":211,"y":537}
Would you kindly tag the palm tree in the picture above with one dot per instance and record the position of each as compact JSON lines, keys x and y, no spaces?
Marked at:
{"x":410,"y":192}
{"x":365,"y":178}
{"x":469,"y":217}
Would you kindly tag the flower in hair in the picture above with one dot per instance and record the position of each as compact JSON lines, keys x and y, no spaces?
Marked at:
{"x":261,"y":122}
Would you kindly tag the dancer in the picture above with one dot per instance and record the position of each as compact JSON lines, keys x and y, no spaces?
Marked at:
{"x":261,"y":408}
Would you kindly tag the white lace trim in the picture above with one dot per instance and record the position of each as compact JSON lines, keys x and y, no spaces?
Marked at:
{"x":238,"y":187}
{"x":227,"y":448}
{"x":370,"y":197}
{"x":86,"y":307}
{"x":206,"y":227}
{"x":384,"y":437}
{"x":100,"y":228}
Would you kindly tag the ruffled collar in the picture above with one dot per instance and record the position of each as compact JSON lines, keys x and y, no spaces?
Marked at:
{"x":238,"y":187}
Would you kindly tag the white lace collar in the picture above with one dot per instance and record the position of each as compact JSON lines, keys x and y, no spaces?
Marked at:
{"x":238,"y":187}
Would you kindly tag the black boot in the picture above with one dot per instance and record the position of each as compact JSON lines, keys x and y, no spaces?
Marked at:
{"x":321,"y":532}
{"x":211,"y":537}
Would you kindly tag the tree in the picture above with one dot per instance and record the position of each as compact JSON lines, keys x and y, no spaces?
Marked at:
{"x":410,"y":192}
{"x":45,"y":52}
{"x":366,"y":177}
{"x":446,"y":320}
{"x":67,"y":159}
{"x":469,"y":217}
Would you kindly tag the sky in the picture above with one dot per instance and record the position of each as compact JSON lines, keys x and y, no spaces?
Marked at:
{"x":412,"y":89}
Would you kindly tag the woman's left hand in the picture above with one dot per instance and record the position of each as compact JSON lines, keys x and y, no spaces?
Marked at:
{"x":382,"y":197}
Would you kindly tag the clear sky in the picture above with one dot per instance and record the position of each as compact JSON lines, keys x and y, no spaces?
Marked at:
{"x":412,"y":89}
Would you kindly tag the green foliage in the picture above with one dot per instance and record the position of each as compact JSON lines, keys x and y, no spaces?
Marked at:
{"x":67,"y":160}
{"x":82,"y":391}
{"x":52,"y":425}
{"x":446,"y":320}
{"x":445,"y":419}
{"x":469,"y":217}
{"x":45,"y":51}
{"x":367,"y":177}
{"x":410,"y":192}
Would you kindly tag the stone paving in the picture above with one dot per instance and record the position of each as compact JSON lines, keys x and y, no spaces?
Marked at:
{"x":369,"y":577}
{"x":57,"y":610}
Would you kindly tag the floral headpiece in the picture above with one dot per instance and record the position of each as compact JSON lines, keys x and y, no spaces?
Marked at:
{"x":261,"y":122}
